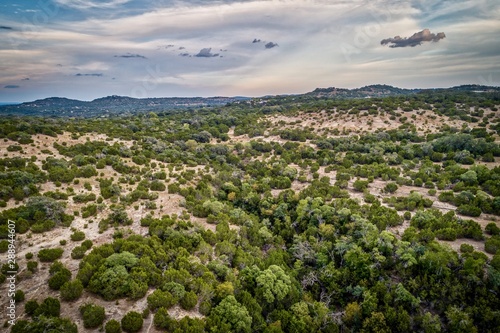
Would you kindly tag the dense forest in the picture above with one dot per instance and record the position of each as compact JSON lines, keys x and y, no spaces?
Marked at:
{"x":281,"y":214}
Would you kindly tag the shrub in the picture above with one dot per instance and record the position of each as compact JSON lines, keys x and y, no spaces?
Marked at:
{"x":87,"y":244}
{"x":112,"y":326}
{"x":50,"y":307}
{"x":49,"y":255}
{"x":19,"y":296}
{"x":492,"y":244}
{"x":132,"y":322}
{"x":93,"y":315}
{"x":466,"y":248}
{"x":157,"y":185}
{"x":469,"y":210}
{"x":360,"y":185}
{"x":189,"y":300}
{"x":492,"y":229}
{"x":31,"y":306}
{"x":77,"y":236}
{"x":32,"y":266}
{"x":59,"y":275}
{"x":78,"y":252}
{"x":448,"y":234}
{"x":390,"y":187}
{"x":71,"y":290}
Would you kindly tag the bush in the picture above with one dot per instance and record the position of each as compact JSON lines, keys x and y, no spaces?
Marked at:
{"x":78,"y":252}
{"x":32,"y":266}
{"x":492,"y":229}
{"x":448,"y":234}
{"x":50,"y":307}
{"x":466,"y":248}
{"x":189,"y":300}
{"x":49,"y":255}
{"x":112,"y":326}
{"x":132,"y":322}
{"x":19,"y":296}
{"x":87,"y":244}
{"x":360,"y":185}
{"x":59,"y":275}
{"x":162,"y":299}
{"x":31,"y":306}
{"x":390,"y":187}
{"x":77,"y":236}
{"x":157,"y":185}
{"x":492,"y":244}
{"x":71,"y":290}
{"x":469,"y":210}
{"x":93,"y":315}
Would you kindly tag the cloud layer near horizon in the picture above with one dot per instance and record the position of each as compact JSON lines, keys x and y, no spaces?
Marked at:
{"x":192,"y":48}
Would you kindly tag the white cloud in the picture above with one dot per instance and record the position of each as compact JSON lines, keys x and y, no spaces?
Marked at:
{"x":86,"y":4}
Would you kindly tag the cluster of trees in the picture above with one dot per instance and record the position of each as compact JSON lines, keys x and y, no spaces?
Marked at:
{"x":305,"y":260}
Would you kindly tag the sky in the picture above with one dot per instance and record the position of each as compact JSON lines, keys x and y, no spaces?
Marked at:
{"x":164,"y":48}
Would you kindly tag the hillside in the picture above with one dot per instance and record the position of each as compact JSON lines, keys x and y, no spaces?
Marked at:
{"x":319,"y":212}
{"x":108,"y":106}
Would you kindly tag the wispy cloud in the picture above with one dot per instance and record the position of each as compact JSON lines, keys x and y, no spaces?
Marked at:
{"x":89,"y":74}
{"x":416,"y":39}
{"x":12,"y":86}
{"x":84,"y":4}
{"x":3,"y":27}
{"x":130,"y":55}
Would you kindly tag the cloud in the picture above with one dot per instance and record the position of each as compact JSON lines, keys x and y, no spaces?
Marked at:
{"x":416,"y":39}
{"x":270,"y":45}
{"x":3,"y":27}
{"x":83,"y":5}
{"x":26,"y":79}
{"x":11,"y":86}
{"x":206,"y":53}
{"x":256,"y":40}
{"x":130,"y":55}
{"x":90,"y":74}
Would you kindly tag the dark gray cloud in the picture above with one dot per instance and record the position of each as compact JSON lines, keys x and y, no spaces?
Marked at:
{"x":130,"y":55}
{"x":416,"y":39}
{"x":26,"y":79}
{"x":90,"y":74}
{"x":185,"y":54}
{"x":3,"y":27}
{"x":12,"y":86}
{"x":256,"y":40}
{"x":270,"y":45}
{"x":206,"y":53}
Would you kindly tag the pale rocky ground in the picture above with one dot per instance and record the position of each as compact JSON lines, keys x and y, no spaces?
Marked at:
{"x":167,"y":203}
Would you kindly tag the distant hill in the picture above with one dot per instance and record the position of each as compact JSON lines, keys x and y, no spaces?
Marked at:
{"x":381,"y":90}
{"x":122,"y":105}
{"x":111,"y":105}
{"x":377,"y":90}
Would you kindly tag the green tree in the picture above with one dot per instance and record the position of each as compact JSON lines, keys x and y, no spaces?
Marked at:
{"x":273,"y":284}
{"x":50,"y":307}
{"x":112,"y":326}
{"x":132,"y":322}
{"x":459,"y":321}
{"x":189,"y":300}
{"x":230,"y":316}
{"x":71,"y":290}
{"x":93,"y":315}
